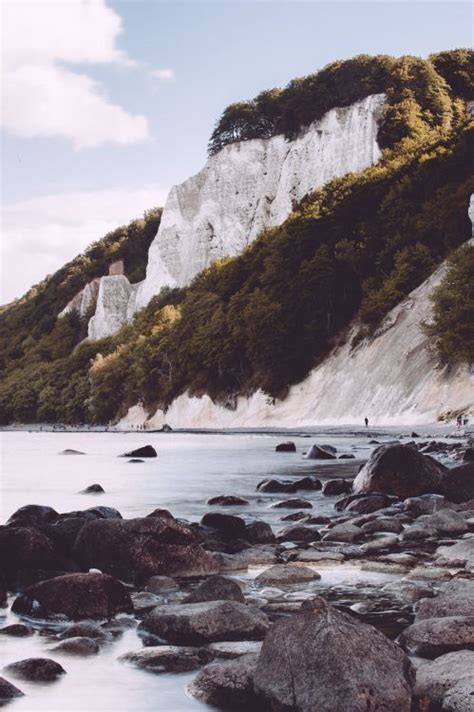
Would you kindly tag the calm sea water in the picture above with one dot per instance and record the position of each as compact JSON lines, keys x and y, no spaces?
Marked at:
{"x":189,"y":468}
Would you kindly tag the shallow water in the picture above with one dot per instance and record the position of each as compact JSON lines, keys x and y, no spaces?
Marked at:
{"x":189,"y":468}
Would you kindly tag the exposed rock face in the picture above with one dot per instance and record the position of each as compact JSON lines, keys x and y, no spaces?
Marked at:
{"x":198,"y":623}
{"x":399,"y":470}
{"x":84,"y":300}
{"x":75,"y":596}
{"x":327,"y":661}
{"x":251,"y":185}
{"x":115,"y":306}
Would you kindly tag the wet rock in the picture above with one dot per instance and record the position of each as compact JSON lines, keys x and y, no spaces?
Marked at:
{"x":8,"y":691}
{"x":274,"y":485}
{"x":295,"y":517}
{"x":85,"y":629}
{"x":460,"y":697}
{"x":74,"y":596}
{"x":160,"y":514}
{"x":328,"y":661}
{"x":144,"y":601}
{"x":436,"y":678}
{"x":408,"y":591}
{"x":363,"y":504}
{"x":94,"y":513}
{"x":458,"y":483}
{"x":70,"y":451}
{"x":285,"y":575}
{"x":168,"y":658}
{"x":135,"y":460}
{"x":383,"y":524}
{"x":35,"y":669}
{"x":381,"y":542}
{"x":455,"y":599}
{"x":318,"y":519}
{"x":425,"y":504}
{"x":227,"y":685}
{"x":229,"y":500}
{"x":444,"y":522}
{"x":345,"y":532}
{"x":161,"y":584}
{"x":230,"y":650}
{"x":347,"y":456}
{"x":400,"y":470}
{"x":462,"y":551}
{"x":93,"y":489}
{"x":17,"y":630}
{"x":469,"y":455}
{"x":258,"y":531}
{"x":229,"y":526}
{"x":135,"y":549}
{"x":255,"y":556}
{"x":77,"y":646}
{"x":321,"y":452}
{"x":417,"y":532}
{"x":298,"y":533}
{"x":23,"y":548}
{"x":32,"y":515}
{"x":337,"y":486}
{"x":310,"y":555}
{"x":437,"y":636}
{"x":198,"y":623}
{"x":216,"y":588}
{"x":145,"y":451}
{"x":289,"y":446}
{"x":308,"y":483}
{"x":429,"y":573}
{"x":293,"y":503}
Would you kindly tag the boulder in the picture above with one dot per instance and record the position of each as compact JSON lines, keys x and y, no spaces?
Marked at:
{"x":286,"y":574}
{"x":424,"y":504}
{"x":216,"y":588}
{"x":460,"y":553}
{"x":274,"y":485}
{"x":299,"y":533}
{"x":135,"y":549}
{"x":326,"y":660}
{"x":363,"y":503}
{"x":161,"y":584}
{"x":321,"y":452}
{"x":229,"y":526}
{"x":227,"y":685}
{"x":8,"y":691}
{"x":337,"y":486}
{"x":289,"y":446}
{"x":199,"y":623}
{"x":32,"y":515}
{"x":400,"y":470}
{"x":229,"y":650}
{"x":71,"y":451}
{"x":36,"y":669}
{"x":434,"y":679}
{"x":433,"y":637}
{"x":293,"y":503}
{"x":229,"y":500}
{"x":444,"y":522}
{"x":296,"y":517}
{"x":458,"y":483}
{"x":94,"y":513}
{"x":23,"y":548}
{"x":459,"y":697}
{"x":382,"y":524}
{"x":160,"y":514}
{"x":345,"y":532}
{"x":77,"y":646}
{"x":93,"y":489}
{"x":347,"y":456}
{"x":308,"y":483}
{"x":17,"y":630}
{"x":168,"y":658}
{"x":75,"y":596}
{"x":145,"y":451}
{"x":258,"y":531}
{"x":468,"y":455}
{"x":455,"y":599}
{"x":85,"y":629}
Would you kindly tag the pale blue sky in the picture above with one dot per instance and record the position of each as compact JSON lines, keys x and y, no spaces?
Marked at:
{"x":60,"y":185}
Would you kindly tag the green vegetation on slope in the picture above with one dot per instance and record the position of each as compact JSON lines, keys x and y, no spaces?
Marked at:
{"x":265,"y":318}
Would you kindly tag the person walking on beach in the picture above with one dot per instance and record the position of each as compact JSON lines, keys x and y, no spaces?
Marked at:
{"x":366,"y":421}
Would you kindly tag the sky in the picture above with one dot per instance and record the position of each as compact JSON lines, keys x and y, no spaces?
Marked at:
{"x":108,"y":103}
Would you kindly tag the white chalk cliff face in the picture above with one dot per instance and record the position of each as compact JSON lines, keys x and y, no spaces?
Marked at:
{"x":114,"y":298}
{"x":251,"y":185}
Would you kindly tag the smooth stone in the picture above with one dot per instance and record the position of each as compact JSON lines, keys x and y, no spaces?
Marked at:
{"x":17,"y":630}
{"x":336,"y":487}
{"x":227,"y":685}
{"x":310,"y":555}
{"x":85,"y":629}
{"x":145,"y":451}
{"x":298,"y":533}
{"x":295,"y":517}
{"x":462,"y":550}
{"x":288,"y":446}
{"x":227,"y":500}
{"x":161,"y":584}
{"x":144,"y":601}
{"x":425,"y":504}
{"x":321,"y":452}
{"x":286,"y":574}
{"x":8,"y":691}
{"x":77,"y":646}
{"x":230,"y":650}
{"x":168,"y":658}
{"x":383,"y":524}
{"x":93,"y":489}
{"x":345,"y":532}
{"x":293,"y":503}
{"x":425,"y":573}
{"x":36,"y":669}
{"x":216,"y":588}
{"x":70,"y":451}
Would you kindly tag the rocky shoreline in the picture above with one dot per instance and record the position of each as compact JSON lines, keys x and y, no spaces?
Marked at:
{"x":258,"y":611}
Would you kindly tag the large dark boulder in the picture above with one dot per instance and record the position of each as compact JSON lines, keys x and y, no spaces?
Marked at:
{"x":433,"y":637}
{"x":135,"y":549}
{"x":458,"y":484}
{"x":289,"y":446}
{"x":216,"y":588}
{"x":199,"y":623}
{"x":8,"y":691}
{"x":93,"y":489}
{"x":145,"y":451}
{"x":400,"y":470}
{"x":26,"y":548}
{"x":337,"y":486}
{"x":456,"y":599}
{"x":75,"y":596}
{"x":228,"y":526}
{"x":36,"y":669}
{"x":227,"y":500}
{"x":32,"y":515}
{"x":228,"y":685}
{"x":321,"y":452}
{"x":274,"y":485}
{"x":328,"y":661}
{"x":364,"y":503}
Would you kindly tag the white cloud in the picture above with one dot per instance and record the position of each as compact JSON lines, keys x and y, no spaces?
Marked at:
{"x":165,"y":74}
{"x":43,"y":98}
{"x":41,"y":234}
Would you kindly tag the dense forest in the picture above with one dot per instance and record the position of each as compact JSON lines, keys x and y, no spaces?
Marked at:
{"x":351,"y":250}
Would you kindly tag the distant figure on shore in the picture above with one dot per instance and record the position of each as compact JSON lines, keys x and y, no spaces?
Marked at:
{"x":459,"y":421}
{"x":366,"y":421}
